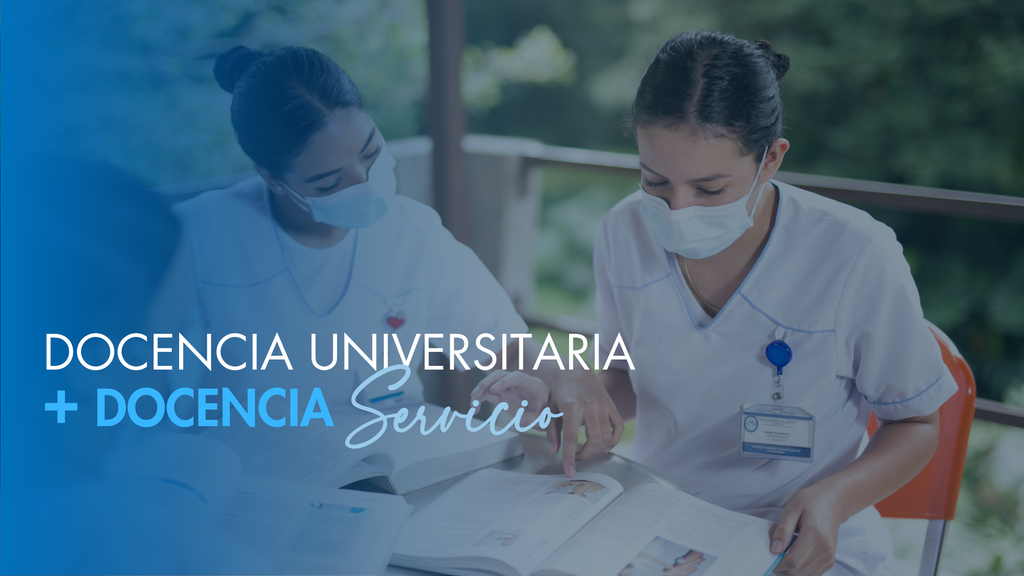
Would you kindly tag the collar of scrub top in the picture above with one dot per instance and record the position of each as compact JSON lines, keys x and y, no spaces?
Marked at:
{"x":284,"y":256}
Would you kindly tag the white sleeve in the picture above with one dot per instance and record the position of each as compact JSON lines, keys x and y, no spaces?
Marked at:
{"x":882,"y":341}
{"x":466,"y":298}
{"x":608,"y":324}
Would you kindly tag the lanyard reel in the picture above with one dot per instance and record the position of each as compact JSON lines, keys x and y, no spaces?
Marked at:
{"x":779,"y":354}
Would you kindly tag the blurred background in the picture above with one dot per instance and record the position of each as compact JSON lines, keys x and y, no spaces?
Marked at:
{"x":910,"y":92}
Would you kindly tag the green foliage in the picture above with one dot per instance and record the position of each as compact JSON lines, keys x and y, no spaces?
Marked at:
{"x":902,"y":91}
{"x":987,"y":537}
{"x":595,"y":32}
{"x":537,"y":57}
{"x":573,"y":204}
{"x":926,"y":93}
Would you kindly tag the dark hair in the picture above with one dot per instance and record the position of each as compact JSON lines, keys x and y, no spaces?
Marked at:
{"x":717,"y":83}
{"x":281,"y":99}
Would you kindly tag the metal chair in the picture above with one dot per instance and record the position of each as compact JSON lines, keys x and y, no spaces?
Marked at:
{"x":932,"y":494}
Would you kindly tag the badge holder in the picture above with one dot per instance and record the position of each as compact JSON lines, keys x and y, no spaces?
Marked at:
{"x":776,"y":431}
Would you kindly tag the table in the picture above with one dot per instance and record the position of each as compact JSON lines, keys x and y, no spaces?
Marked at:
{"x":536,"y":459}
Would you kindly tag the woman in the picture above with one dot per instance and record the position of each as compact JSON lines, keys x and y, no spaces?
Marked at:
{"x":318,"y":243}
{"x":711,"y":263}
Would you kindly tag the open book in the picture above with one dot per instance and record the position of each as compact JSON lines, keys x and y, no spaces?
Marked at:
{"x":397,"y":462}
{"x":271,"y":525}
{"x":497,"y":522}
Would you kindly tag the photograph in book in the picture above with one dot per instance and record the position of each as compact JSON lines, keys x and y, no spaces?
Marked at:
{"x":587,"y":489}
{"x":664,"y":558}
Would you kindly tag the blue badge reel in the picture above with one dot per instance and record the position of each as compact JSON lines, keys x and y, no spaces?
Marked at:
{"x":779,"y":354}
{"x":775,"y":430}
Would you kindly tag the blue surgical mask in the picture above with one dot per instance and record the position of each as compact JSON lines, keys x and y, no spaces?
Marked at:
{"x":357,"y":206}
{"x":697,"y":232}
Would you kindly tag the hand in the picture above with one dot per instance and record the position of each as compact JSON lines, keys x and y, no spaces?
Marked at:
{"x":581,"y":398}
{"x":683,"y":569}
{"x":512,"y":388}
{"x":813,"y":513}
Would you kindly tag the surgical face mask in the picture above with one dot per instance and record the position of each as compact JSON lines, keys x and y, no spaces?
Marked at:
{"x":357,"y":206}
{"x":697,"y":232}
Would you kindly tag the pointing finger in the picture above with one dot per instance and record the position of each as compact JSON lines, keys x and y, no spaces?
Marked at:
{"x":570,"y":437}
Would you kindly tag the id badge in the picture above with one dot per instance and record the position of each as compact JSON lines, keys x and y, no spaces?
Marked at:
{"x":776,"y":432}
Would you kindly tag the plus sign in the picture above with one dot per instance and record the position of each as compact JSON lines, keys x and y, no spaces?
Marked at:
{"x":60,"y":406}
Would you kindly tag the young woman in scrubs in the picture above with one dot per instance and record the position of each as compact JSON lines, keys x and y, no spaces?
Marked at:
{"x":712,"y":261}
{"x":318,"y":243}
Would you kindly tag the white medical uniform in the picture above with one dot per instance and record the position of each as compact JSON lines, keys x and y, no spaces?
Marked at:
{"x":251,"y":278}
{"x":833,"y":283}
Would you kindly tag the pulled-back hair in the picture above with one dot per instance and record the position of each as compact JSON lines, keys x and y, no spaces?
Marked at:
{"x":281,"y":99}
{"x":717,"y":83}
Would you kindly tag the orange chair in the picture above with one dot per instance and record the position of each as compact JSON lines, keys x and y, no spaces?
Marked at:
{"x":932,"y":494}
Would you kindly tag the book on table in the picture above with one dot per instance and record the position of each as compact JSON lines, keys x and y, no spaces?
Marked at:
{"x":273,"y":525}
{"x":396,"y":462}
{"x":497,"y":522}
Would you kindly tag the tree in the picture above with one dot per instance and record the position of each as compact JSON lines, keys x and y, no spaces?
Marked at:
{"x":902,"y":91}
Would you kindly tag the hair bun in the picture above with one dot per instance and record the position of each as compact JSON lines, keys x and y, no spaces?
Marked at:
{"x":781,"y":65}
{"x":779,"y":62}
{"x":231,"y":65}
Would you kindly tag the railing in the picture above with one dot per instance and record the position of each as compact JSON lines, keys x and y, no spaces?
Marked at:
{"x":533,"y":155}
{"x":879,"y":194}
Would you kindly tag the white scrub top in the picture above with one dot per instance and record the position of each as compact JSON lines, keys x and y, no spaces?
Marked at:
{"x":833,"y":283}
{"x":321,"y":274}
{"x":406,"y":267}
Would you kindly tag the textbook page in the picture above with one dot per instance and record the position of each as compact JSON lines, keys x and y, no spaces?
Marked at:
{"x":317,"y":454}
{"x":501,"y":522}
{"x":308,"y":455}
{"x":196,"y":476}
{"x":309,"y":530}
{"x":421,"y":460}
{"x":652,"y":529}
